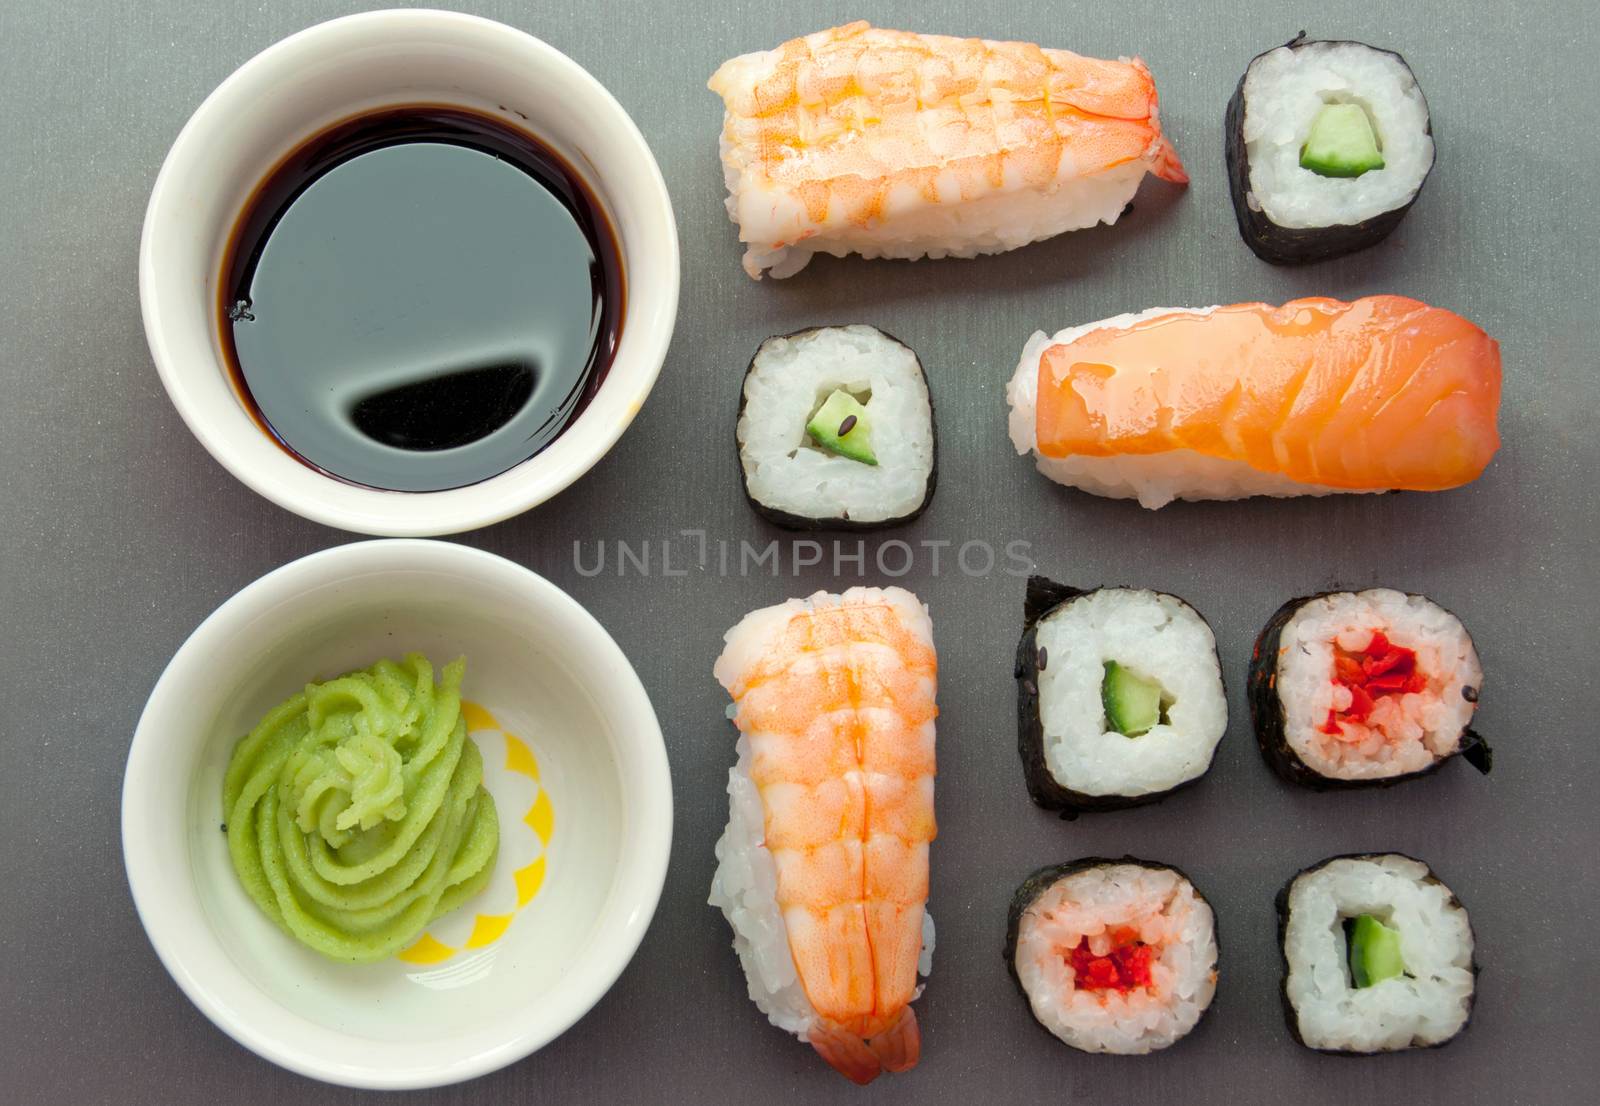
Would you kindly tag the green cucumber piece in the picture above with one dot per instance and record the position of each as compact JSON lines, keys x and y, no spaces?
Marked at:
{"x":840,"y":426}
{"x":1132,"y":702}
{"x":1374,"y":951}
{"x":1341,"y":143}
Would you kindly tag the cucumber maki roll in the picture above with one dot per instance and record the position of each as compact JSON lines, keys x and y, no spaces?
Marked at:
{"x":1377,"y":956}
{"x":1328,"y":145}
{"x":1119,"y":696}
{"x":1360,"y":689}
{"x":835,"y":430}
{"x":1114,"y":956}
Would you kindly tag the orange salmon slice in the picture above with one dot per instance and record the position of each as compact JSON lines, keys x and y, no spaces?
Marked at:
{"x":1383,"y":392}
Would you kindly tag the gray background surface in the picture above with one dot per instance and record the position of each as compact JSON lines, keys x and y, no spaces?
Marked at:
{"x":119,"y":534}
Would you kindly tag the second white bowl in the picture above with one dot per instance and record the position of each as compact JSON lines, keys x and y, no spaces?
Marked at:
{"x":572,"y":754}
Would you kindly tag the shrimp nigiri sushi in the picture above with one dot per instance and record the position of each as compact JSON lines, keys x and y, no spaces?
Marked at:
{"x":823,"y":869}
{"x":1310,"y":398}
{"x":894,"y":144}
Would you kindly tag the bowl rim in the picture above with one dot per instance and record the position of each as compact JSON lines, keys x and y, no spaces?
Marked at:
{"x":647,"y":332}
{"x":173,"y":927}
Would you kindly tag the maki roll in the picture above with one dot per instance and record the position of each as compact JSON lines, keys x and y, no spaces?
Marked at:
{"x":1119,"y":696}
{"x":836,"y":430}
{"x":1377,"y":956}
{"x":1113,"y":956}
{"x":1353,"y":689}
{"x":1328,"y":145}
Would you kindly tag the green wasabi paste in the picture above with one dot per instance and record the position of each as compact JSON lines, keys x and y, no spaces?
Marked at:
{"x":356,"y":812}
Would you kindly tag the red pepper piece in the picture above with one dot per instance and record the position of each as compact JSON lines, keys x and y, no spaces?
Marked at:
{"x":1125,"y":967}
{"x":1383,"y":668}
{"x":1361,"y":703}
{"x":1346,"y":669}
{"x":1101,"y":974}
{"x":1135,"y":965}
{"x":1393,"y":661}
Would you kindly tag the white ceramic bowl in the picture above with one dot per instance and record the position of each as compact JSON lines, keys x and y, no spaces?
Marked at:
{"x":291,"y":91}
{"x":589,"y":840}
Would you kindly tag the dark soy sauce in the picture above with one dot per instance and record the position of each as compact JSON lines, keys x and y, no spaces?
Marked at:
{"x":420,"y":298}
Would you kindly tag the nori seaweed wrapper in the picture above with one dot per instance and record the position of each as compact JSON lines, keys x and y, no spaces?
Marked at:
{"x":1041,"y":879}
{"x":790,"y":521}
{"x":1300,"y":245}
{"x":1267,"y":716}
{"x":1291,"y":1017}
{"x":1043,"y":597}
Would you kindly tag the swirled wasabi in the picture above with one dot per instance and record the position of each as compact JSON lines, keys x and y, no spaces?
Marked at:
{"x":356,"y":812}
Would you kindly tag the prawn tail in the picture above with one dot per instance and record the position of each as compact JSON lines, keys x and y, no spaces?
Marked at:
{"x":899,"y":1047}
{"x":850,"y":1056}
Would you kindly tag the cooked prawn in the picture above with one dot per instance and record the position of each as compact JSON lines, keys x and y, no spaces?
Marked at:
{"x":855,"y":139}
{"x":836,"y":699}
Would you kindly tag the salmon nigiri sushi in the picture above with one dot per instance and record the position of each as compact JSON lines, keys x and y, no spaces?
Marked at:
{"x":893,"y":144}
{"x":823,"y":869}
{"x":1311,"y":398}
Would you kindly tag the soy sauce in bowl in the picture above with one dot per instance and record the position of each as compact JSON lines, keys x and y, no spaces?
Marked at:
{"x":420,"y":298}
